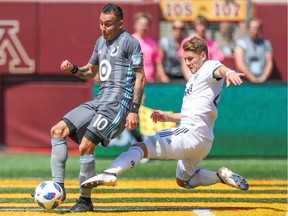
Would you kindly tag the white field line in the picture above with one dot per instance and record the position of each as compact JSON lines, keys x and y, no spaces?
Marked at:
{"x":203,"y":212}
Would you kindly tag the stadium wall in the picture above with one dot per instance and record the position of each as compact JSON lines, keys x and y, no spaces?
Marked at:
{"x":274,"y":17}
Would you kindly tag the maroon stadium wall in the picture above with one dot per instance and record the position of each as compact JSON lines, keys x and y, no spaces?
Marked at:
{"x":274,"y":17}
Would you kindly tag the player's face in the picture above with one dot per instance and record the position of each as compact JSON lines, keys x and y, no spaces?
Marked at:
{"x":194,"y":61}
{"x":110,"y":26}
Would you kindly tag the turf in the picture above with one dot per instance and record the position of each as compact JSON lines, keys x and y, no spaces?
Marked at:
{"x":154,"y":197}
{"x":32,"y":166}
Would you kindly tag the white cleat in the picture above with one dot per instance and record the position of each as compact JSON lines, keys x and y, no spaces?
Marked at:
{"x":107,"y":179}
{"x":228,"y":177}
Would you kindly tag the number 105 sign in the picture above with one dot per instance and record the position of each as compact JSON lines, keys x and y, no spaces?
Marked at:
{"x":213,"y":10}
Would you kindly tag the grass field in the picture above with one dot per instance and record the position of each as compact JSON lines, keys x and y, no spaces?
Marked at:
{"x":150,"y":189}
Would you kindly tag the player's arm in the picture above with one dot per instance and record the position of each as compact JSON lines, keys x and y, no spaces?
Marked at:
{"x":139,"y":87}
{"x":231,"y":76}
{"x":88,"y":71}
{"x":159,"y":115}
{"x":140,"y":82}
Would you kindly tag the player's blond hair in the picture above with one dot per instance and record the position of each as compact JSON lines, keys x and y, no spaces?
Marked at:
{"x":196,"y":45}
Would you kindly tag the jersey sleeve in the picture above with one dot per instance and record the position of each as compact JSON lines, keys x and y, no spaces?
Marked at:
{"x":134,"y":53}
{"x":94,"y":58}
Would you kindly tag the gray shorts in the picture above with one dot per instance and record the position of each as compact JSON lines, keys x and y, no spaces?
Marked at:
{"x":97,"y":122}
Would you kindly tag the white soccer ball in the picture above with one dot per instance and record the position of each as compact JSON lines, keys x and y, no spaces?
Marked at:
{"x":48,"y":195}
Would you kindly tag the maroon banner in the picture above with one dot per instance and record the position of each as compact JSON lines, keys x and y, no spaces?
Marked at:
{"x":32,"y":108}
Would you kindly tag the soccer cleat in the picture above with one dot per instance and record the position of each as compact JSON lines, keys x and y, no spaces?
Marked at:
{"x":82,"y":205}
{"x":226,"y":176}
{"x":64,"y":191}
{"x":108,"y":179}
{"x":64,"y":195}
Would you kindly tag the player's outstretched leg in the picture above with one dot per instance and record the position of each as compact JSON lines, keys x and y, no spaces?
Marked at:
{"x":108,"y":179}
{"x":125,"y":161}
{"x":235,"y":180}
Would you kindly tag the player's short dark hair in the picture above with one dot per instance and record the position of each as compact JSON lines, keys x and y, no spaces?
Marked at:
{"x":196,"y":45}
{"x":117,"y":10}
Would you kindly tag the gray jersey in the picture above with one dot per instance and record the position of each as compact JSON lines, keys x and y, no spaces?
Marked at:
{"x":116,"y":61}
{"x":104,"y":118}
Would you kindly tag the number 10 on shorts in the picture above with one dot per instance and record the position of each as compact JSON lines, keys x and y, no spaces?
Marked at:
{"x":100,"y":122}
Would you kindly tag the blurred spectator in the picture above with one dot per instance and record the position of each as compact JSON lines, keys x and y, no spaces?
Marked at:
{"x":253,"y":54}
{"x":153,"y":67}
{"x":168,"y":49}
{"x":201,"y":24}
{"x":226,"y":30}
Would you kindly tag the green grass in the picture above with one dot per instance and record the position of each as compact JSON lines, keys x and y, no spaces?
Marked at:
{"x":31,"y":166}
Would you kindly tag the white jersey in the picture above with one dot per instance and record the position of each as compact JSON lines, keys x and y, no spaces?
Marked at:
{"x":202,"y":94}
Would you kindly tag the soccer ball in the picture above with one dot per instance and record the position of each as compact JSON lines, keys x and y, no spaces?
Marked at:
{"x":48,"y":195}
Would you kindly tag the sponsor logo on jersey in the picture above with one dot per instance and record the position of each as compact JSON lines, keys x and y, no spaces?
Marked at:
{"x":188,"y":90}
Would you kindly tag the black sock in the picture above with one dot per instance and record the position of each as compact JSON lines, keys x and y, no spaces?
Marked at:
{"x":85,"y":199}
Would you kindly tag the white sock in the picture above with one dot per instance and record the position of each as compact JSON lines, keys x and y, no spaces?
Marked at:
{"x":203,"y":177}
{"x":126,"y":160}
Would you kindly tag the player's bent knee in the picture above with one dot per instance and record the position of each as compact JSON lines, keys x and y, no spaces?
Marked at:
{"x":59,"y":131}
{"x":180,"y":183}
{"x":143,"y":147}
{"x":184,"y":184}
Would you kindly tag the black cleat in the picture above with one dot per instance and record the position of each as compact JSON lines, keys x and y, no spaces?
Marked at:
{"x":64,"y":191}
{"x":83,"y":205}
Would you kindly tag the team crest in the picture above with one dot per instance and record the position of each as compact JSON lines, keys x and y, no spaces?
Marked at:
{"x":136,"y":59}
{"x":114,"y":51}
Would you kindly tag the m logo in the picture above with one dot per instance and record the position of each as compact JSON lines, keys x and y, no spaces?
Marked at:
{"x":10,"y":45}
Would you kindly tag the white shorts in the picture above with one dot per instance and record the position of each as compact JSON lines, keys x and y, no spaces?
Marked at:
{"x":181,"y":144}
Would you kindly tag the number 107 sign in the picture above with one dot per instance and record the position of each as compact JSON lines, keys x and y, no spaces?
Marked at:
{"x":213,"y":10}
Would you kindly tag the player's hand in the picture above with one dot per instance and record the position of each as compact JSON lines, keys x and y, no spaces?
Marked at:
{"x":234,"y":78}
{"x":159,"y":115}
{"x":132,"y":121}
{"x":66,"y":66}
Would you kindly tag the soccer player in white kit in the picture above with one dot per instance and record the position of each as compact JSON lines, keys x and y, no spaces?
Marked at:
{"x":192,"y":140}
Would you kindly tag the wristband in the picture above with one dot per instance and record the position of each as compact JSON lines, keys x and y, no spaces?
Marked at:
{"x":228,"y":72}
{"x":134,"y":107}
{"x":74,"y":69}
